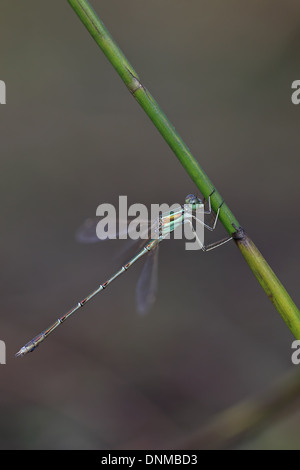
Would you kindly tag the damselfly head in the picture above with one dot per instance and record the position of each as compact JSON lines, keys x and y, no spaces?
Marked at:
{"x":193,"y":201}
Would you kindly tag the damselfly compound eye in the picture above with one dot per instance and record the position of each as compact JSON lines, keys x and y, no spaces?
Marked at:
{"x":193,"y":200}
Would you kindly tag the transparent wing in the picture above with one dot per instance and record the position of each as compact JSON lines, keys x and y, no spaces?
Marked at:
{"x":128,"y":250}
{"x":132,"y":246}
{"x":147,"y":284}
{"x":87,"y":232}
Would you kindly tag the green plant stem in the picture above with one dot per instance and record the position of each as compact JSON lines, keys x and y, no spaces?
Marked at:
{"x":151,"y":107}
{"x":259,"y":266}
{"x":269,"y":282}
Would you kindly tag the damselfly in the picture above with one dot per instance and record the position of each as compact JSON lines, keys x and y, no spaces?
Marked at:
{"x":146,"y":287}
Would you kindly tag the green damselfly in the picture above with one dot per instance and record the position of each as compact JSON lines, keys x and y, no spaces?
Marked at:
{"x":146,"y":287}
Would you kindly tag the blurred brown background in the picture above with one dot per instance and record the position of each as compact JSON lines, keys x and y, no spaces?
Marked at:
{"x":72,"y":137}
